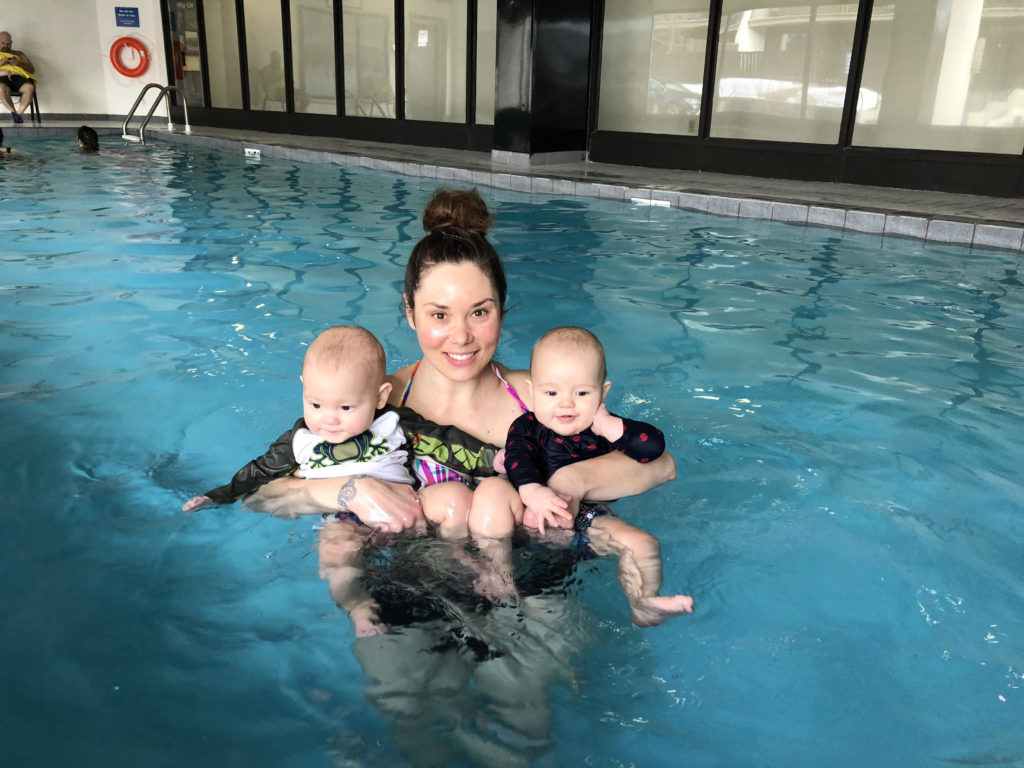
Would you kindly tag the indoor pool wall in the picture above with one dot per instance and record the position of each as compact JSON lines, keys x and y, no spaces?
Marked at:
{"x":845,"y":411}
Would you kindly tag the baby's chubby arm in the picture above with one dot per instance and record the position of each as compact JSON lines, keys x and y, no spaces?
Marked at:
{"x":607,"y":425}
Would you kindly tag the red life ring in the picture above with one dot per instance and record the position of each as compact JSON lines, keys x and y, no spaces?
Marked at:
{"x":135,"y":45}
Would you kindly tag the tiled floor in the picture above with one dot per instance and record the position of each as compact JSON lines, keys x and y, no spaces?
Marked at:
{"x":973,"y":220}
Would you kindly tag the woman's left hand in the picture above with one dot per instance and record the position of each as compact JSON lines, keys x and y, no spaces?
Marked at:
{"x":612,"y":476}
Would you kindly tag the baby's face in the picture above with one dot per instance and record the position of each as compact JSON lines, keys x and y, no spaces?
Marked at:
{"x":567,"y":387}
{"x":339,"y":404}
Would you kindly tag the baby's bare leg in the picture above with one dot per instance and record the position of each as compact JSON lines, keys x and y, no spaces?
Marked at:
{"x":341,"y":563}
{"x":447,"y":506}
{"x":496,"y":511}
{"x":639,"y":556}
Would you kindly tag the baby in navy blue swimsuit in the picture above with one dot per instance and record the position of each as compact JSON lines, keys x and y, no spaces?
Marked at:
{"x":569,"y":423}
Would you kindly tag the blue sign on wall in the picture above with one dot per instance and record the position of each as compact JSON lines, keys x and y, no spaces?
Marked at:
{"x":126,"y":17}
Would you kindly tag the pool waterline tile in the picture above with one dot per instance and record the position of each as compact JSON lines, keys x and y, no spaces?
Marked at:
{"x":906,"y":226}
{"x":755,"y":209}
{"x":724,"y":206}
{"x":791,"y":213}
{"x":691,"y":202}
{"x":952,"y":218}
{"x":1003,"y":238}
{"x":868,"y":222}
{"x":956,"y":232}
{"x":826,"y":217}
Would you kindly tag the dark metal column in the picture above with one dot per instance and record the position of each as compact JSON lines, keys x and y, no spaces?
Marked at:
{"x":541,"y":81}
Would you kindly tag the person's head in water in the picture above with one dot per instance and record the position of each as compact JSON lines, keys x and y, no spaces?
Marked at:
{"x":88,"y":141}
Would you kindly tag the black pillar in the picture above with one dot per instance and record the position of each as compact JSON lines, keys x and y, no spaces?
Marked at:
{"x":541,"y":80}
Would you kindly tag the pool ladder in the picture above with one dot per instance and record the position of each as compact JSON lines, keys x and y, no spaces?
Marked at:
{"x":165,"y":91}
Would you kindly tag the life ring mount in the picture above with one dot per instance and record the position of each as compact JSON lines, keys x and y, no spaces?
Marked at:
{"x":115,"y":56}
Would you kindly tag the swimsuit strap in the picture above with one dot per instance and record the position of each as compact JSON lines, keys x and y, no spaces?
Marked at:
{"x":408,"y":384}
{"x":510,"y":388}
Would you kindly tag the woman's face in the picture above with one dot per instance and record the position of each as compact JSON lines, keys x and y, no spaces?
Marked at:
{"x":457,"y":319}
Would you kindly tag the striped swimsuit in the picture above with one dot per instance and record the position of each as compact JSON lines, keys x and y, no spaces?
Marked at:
{"x":431,"y":472}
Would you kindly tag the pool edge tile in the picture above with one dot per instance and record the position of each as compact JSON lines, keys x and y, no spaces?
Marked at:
{"x":790,"y":213}
{"x":826,"y":216}
{"x":689,"y":201}
{"x":950,"y":232}
{"x":997,"y":236}
{"x":720,"y":205}
{"x":868,"y":222}
{"x":755,"y":209}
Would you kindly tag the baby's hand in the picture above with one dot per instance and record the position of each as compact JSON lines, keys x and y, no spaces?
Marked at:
{"x":548,"y":507}
{"x":606,"y":425}
{"x":196,"y":503}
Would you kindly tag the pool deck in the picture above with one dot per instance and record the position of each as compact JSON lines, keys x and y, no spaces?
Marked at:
{"x":970,"y":220}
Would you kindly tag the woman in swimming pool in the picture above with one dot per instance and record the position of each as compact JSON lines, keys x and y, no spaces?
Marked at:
{"x":455,"y":292}
{"x":470,"y":679}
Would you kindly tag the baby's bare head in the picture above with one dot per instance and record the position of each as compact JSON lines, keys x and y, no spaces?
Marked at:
{"x":569,"y":340}
{"x":347,"y":346}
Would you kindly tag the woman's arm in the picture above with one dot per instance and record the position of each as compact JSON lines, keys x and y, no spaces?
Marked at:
{"x":612,"y":476}
{"x":378,"y":504}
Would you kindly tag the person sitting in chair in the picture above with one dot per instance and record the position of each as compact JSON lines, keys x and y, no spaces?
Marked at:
{"x":17,"y":75}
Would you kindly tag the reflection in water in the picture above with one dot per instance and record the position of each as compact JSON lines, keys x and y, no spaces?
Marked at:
{"x":808,"y":318}
{"x":460,"y":679}
{"x":990,"y":372}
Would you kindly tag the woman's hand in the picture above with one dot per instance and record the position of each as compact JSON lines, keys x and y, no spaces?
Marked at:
{"x":612,"y":476}
{"x":378,"y":504}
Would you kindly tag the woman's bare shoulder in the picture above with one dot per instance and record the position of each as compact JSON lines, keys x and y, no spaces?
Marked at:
{"x":518,"y":379}
{"x":398,"y":380}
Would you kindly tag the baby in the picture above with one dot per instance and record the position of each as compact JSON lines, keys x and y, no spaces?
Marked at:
{"x":343,"y":432}
{"x":570,"y":423}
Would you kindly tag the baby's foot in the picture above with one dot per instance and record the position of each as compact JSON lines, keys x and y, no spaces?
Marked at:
{"x":652,"y":611}
{"x":365,"y":622}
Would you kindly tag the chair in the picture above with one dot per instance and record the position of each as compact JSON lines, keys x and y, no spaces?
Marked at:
{"x":33,"y":108}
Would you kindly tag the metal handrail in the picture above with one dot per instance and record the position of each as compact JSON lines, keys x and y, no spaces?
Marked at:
{"x":165,"y":92}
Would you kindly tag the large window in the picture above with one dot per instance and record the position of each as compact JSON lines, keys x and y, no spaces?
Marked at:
{"x":782,"y":70}
{"x":435,"y":60}
{"x":486,"y":51}
{"x":947,"y":75}
{"x":313,"y":56}
{"x":264,"y":48}
{"x":652,"y":66}
{"x":222,"y":54}
{"x":369,"y":59}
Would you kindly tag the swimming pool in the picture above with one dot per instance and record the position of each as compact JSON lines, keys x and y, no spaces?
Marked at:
{"x":845,"y":412}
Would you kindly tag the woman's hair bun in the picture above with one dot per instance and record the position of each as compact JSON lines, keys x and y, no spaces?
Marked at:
{"x":460,"y":208}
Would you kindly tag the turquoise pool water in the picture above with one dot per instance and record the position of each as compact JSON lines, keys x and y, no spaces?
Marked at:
{"x":845,"y":411}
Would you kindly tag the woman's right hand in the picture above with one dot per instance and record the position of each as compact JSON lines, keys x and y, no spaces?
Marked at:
{"x":378,"y":504}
